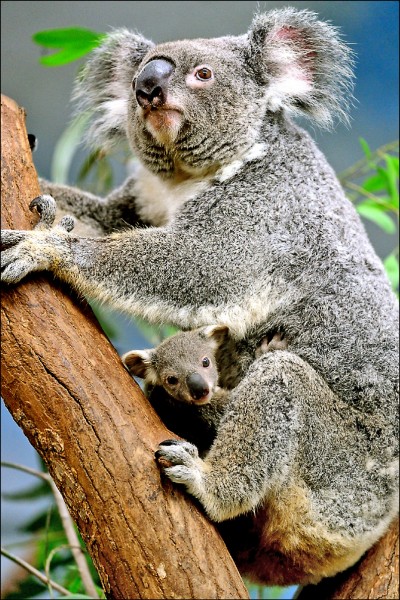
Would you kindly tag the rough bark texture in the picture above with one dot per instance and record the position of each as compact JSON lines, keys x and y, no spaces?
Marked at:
{"x":65,"y":386}
{"x":375,"y":576}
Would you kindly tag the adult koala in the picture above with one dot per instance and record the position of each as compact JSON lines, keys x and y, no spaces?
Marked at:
{"x":248,"y":228}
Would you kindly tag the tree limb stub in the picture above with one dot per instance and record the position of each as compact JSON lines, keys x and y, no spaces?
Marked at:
{"x":65,"y":386}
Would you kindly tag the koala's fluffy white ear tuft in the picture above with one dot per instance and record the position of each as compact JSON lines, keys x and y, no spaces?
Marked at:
{"x":138,"y":362}
{"x":305,"y":66}
{"x":104,"y":86}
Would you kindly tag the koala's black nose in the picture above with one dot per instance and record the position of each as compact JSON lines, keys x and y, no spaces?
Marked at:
{"x":151,"y":84}
{"x":198,"y":387}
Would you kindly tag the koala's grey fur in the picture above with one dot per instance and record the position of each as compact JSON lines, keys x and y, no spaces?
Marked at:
{"x":248,"y":227}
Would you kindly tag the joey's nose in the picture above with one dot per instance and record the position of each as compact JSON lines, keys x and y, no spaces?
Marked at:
{"x":152,"y":82}
{"x":198,"y":387}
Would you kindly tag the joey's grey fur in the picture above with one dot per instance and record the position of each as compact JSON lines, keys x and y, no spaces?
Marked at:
{"x":187,"y":367}
{"x":248,"y":227}
{"x":193,"y":403}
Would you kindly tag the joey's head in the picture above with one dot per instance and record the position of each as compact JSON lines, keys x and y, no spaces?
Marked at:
{"x":193,"y":106}
{"x":183,"y":364}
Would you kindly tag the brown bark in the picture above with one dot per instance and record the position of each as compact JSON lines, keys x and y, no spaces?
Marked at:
{"x":375,"y":576}
{"x":65,"y":386}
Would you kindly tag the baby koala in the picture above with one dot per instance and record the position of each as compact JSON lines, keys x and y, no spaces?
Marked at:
{"x":185,"y":364}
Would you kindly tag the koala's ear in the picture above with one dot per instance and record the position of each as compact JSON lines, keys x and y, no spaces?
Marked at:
{"x":216,"y":333}
{"x":303,"y":63}
{"x":105,"y":84}
{"x":138,"y":362}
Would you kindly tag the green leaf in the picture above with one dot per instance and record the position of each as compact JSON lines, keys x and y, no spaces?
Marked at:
{"x":375,"y":183}
{"x":391,"y":265}
{"x":392,"y":175}
{"x":72,"y":42}
{"x":36,"y":491}
{"x":66,"y":147}
{"x":366,"y":149}
{"x":377,"y":216}
{"x":77,"y":596}
{"x":57,"y":38}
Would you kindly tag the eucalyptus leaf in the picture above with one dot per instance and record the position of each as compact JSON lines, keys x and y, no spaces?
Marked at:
{"x":366,"y":149}
{"x":72,"y":42}
{"x":377,"y":216}
{"x":375,"y":183}
{"x":66,"y":148}
{"x":391,"y":265}
{"x":392,"y":174}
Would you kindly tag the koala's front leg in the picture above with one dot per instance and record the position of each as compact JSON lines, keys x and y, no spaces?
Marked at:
{"x":113,"y":212}
{"x":138,"y":271}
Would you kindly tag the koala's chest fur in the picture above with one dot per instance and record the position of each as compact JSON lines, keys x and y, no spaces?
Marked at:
{"x":158,"y":200}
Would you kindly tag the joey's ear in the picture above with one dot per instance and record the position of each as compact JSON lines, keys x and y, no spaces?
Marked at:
{"x":105,"y":83}
{"x":305,"y":66}
{"x":217,"y":333}
{"x":138,"y":362}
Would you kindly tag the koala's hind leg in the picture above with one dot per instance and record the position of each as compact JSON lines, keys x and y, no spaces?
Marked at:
{"x":259,"y":446}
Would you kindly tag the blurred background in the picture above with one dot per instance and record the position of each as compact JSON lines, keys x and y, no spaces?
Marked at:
{"x":370,"y":27}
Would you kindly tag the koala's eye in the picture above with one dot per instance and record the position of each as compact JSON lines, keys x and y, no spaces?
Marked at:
{"x":171,"y":380}
{"x":204,"y":73}
{"x":205,"y":362}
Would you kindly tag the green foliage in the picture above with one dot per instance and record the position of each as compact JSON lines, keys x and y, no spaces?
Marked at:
{"x":52,"y":552}
{"x":262,"y":592}
{"x":373,"y":185}
{"x":72,"y":42}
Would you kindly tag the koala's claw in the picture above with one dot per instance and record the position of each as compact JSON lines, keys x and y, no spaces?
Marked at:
{"x":46,"y":207}
{"x":177,"y":452}
{"x":67,"y":223}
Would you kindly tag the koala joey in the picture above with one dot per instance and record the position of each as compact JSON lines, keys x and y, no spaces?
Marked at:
{"x":238,"y":220}
{"x":181,"y":380}
{"x":185,"y":364}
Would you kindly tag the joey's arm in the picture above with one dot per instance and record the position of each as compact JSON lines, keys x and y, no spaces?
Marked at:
{"x":115,"y":211}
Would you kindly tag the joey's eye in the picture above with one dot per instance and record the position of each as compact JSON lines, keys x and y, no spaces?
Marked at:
{"x":171,"y":380}
{"x":204,"y":73}
{"x":205,"y":362}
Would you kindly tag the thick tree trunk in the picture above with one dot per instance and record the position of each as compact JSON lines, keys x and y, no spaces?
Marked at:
{"x":375,"y":576}
{"x":65,"y":386}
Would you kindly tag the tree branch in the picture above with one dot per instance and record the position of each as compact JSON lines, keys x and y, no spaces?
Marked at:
{"x":66,"y":387}
{"x":22,"y":563}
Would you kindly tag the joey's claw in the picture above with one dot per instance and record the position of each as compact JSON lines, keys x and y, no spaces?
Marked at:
{"x":46,"y":207}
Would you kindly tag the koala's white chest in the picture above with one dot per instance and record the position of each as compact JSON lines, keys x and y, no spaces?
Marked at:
{"x":157,"y":201}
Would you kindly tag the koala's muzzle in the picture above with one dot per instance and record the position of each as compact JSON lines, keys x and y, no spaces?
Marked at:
{"x":152,"y":82}
{"x":198,"y":387}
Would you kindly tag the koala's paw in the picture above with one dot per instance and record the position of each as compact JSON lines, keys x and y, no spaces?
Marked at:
{"x":40,"y":249}
{"x":46,"y":207}
{"x":186,"y":466}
